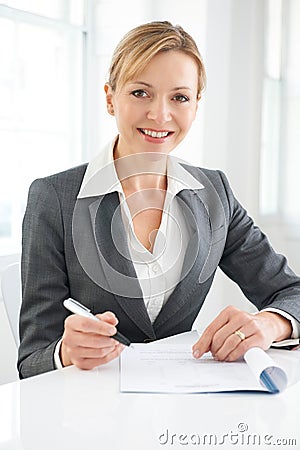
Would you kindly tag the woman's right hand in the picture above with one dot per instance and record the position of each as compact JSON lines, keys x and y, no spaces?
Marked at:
{"x":87,"y":343}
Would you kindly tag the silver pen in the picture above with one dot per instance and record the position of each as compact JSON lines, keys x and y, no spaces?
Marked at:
{"x":77,"y":308}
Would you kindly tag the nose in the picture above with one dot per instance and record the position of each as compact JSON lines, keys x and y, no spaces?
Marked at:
{"x":159,"y":111}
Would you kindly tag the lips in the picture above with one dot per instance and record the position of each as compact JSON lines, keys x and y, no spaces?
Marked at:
{"x":157,"y":134}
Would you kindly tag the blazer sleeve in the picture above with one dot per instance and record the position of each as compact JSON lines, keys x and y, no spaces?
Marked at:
{"x":249,"y":259}
{"x":44,"y":280}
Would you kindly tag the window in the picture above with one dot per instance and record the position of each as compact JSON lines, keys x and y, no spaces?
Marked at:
{"x":41,"y":82}
{"x":281,"y":113}
{"x":67,"y":11}
{"x":291,"y":108}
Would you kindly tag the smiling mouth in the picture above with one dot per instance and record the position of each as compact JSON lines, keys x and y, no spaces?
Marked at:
{"x":155,"y":134}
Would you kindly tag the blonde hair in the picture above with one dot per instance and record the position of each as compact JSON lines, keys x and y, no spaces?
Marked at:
{"x":141,"y":44}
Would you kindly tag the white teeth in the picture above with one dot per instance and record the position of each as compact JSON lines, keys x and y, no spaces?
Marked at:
{"x":155,"y":134}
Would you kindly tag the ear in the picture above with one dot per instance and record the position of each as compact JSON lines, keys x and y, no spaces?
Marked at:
{"x":109,"y":98}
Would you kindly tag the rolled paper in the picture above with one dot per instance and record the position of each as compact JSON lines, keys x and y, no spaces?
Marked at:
{"x":268,"y":373}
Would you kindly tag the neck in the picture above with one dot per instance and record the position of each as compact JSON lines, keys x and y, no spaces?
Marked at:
{"x":145,"y":181}
{"x":142,"y":171}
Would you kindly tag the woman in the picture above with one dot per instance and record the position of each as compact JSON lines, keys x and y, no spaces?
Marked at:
{"x":137,"y":235}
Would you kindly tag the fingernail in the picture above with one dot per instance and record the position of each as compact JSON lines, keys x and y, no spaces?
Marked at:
{"x":196,"y":354}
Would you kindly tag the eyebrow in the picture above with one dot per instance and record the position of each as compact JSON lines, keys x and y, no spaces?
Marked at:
{"x":178,"y":88}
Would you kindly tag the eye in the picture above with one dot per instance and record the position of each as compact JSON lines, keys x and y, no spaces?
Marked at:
{"x":181,"y":98}
{"x":139,"y":93}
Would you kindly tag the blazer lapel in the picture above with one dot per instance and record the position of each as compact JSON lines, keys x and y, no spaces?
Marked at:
{"x":204,"y":249}
{"x":110,"y":238}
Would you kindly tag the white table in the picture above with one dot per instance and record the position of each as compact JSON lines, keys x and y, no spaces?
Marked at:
{"x":84,"y":410}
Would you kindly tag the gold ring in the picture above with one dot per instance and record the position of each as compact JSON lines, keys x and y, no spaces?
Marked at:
{"x":240,"y":334}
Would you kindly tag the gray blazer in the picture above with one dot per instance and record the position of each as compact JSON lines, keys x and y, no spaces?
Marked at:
{"x":64,"y":257}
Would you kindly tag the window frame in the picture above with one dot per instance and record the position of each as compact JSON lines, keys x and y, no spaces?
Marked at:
{"x":10,"y":246}
{"x":277,"y":218}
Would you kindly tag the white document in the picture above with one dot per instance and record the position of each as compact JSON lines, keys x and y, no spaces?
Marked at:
{"x":171,"y":368}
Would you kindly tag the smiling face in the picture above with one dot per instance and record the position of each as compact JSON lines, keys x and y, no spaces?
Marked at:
{"x":155,"y":111}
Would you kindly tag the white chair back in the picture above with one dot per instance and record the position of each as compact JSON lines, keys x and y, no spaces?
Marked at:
{"x":12,"y":294}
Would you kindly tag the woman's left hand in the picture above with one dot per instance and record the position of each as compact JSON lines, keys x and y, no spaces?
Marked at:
{"x":233,"y":332}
